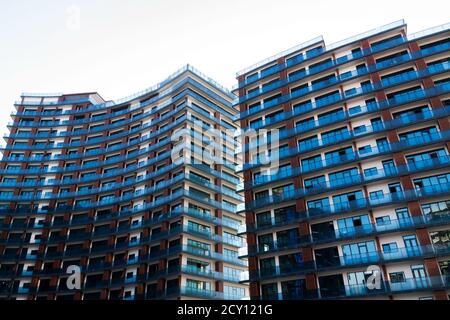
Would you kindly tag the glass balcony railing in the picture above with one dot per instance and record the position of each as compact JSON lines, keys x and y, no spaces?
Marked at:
{"x":112,"y":173}
{"x":124,"y":122}
{"x":122,"y":229}
{"x":141,"y":208}
{"x":103,"y":128}
{"x":136,"y":194}
{"x":302,"y":57}
{"x":363,"y":290}
{"x":381,"y":200}
{"x":371,"y":68}
{"x":143,"y":139}
{"x":293,"y":218}
{"x":351,"y":180}
{"x":418,"y":94}
{"x":345,"y":261}
{"x":162,"y":95}
{"x":389,"y":147}
{"x":78,"y":252}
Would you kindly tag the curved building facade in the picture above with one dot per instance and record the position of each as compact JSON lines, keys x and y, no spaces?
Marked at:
{"x":357,"y":204}
{"x":133,"y":199}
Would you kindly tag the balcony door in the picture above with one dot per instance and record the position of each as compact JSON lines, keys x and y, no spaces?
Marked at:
{"x":420,"y":276}
{"x":411,"y":246}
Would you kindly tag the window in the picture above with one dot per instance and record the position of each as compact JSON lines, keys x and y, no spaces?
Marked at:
{"x":331,"y":116}
{"x":390,"y":247}
{"x":410,"y":242}
{"x":389,"y":167}
{"x":306,"y":124}
{"x":269,"y":291}
{"x":232,"y":239}
{"x":436,"y":209}
{"x":291,"y":262}
{"x":203,"y":247}
{"x":315,"y":183}
{"x":230,"y":254}
{"x":198,"y":193}
{"x":383,"y":145}
{"x":196,"y":227}
{"x":445,"y":268}
{"x":397,"y":277}
{"x":432,"y":182}
{"x":335,"y":135}
{"x":272,"y":100}
{"x":402,"y":214}
{"x":285,"y":170}
{"x":287,"y":237}
{"x":267,"y":266}
{"x":370,"y":172}
{"x":360,"y":129}
{"x":419,"y":136}
{"x":365,"y":149}
{"x":376,"y":195}
{"x":234,"y":293}
{"x":376,"y":124}
{"x":255,"y":124}
{"x":349,"y":224}
{"x":319,"y":204}
{"x":283,"y":192}
{"x":264,"y":219}
{"x":357,"y":249}
{"x":411,"y":114}
{"x":308,"y":143}
{"x":347,"y":200}
{"x":197,"y":265}
{"x":441,"y":238}
{"x":344,"y":177}
{"x":198,"y":285}
{"x":383,"y":221}
{"x":354,"y":110}
{"x":262,"y":194}
{"x":339,"y":155}
{"x":294,"y":289}
{"x":302,"y":107}
{"x":328,"y":98}
{"x":232,"y":273}
{"x":254,"y":107}
{"x":299,"y":90}
{"x":312,"y":163}
{"x":284,"y":214}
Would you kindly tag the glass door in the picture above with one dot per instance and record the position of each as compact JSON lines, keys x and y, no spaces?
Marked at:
{"x":411,"y":246}
{"x":420,"y":276}
{"x":403,"y":217}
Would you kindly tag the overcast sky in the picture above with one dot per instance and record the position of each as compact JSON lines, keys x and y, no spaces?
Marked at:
{"x":120,"y":47}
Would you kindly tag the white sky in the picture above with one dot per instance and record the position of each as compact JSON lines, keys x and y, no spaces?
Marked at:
{"x":122,"y":47}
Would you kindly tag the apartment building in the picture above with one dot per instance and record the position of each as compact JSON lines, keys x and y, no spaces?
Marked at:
{"x":122,"y":199}
{"x":356,"y":204}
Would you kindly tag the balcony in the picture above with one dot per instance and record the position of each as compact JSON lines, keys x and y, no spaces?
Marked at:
{"x":314,"y":53}
{"x":349,"y":134}
{"x":161,"y":96}
{"x":388,"y":148}
{"x":362,"y":290}
{"x":351,"y":261}
{"x":371,"y":68}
